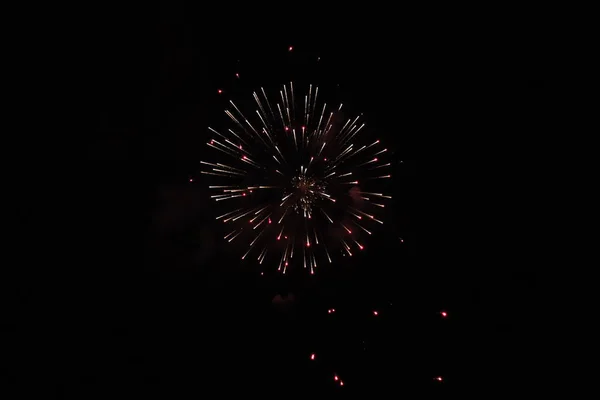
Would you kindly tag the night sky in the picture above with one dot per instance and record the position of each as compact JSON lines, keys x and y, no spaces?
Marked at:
{"x":158,"y":305}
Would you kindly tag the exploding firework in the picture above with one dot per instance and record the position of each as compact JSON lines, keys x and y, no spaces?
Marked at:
{"x":301,"y":184}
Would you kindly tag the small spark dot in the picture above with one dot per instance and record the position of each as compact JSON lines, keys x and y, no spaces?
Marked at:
{"x":444,"y":314}
{"x":287,"y":129}
{"x":312,"y":356}
{"x":237,"y":75}
{"x":375,"y":313}
{"x":291,"y":48}
{"x":438,"y":378}
{"x":243,"y":194}
{"x":341,"y":383}
{"x":219,"y":91}
{"x":336,"y":378}
{"x":262,"y":273}
{"x":191,"y":180}
{"x":285,"y":237}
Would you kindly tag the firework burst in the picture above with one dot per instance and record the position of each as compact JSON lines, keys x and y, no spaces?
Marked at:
{"x":300,"y":182}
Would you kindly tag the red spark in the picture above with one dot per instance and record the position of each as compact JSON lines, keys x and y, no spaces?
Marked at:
{"x":336,"y":378}
{"x":285,"y":237}
{"x":303,"y":127}
{"x":375,"y":159}
{"x":211,"y":142}
{"x":219,"y":91}
{"x":243,"y":194}
{"x":191,"y":180}
{"x":325,"y":159}
{"x":361,"y":247}
{"x":341,"y":383}
{"x":307,"y":244}
{"x":375,"y":313}
{"x":237,"y":75}
{"x":287,"y":129}
{"x":251,"y":191}
{"x":312,"y":356}
{"x":269,"y":220}
{"x":291,"y":48}
{"x":438,"y":378}
{"x":286,"y":263}
{"x":333,"y":309}
{"x":262,"y":273}
{"x":444,"y":314}
{"x":243,"y":157}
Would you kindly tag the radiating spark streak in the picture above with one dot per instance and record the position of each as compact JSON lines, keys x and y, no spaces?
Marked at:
{"x":280,"y":233}
{"x":379,"y":152}
{"x":229,"y":234}
{"x":346,"y":228}
{"x":243,"y":215}
{"x":228,"y":213}
{"x":267,"y":101}
{"x":346,"y":247}
{"x":321,"y":117}
{"x":368,"y":162}
{"x":381,"y":166}
{"x":316,"y":237}
{"x":261,"y":221}
{"x":295,"y":141}
{"x":381,"y":177}
{"x":327,"y":252}
{"x":346,"y":174}
{"x":279,"y":172}
{"x":322,"y":147}
{"x":304,"y":257}
{"x":377,"y":194}
{"x":215,"y":196}
{"x":213,"y":173}
{"x":350,"y":183}
{"x":284,"y":214}
{"x":232,"y":196}
{"x":361,"y":227}
{"x":230,"y":167}
{"x":360,"y":246}
{"x":378,"y":205}
{"x":306,"y":110}
{"x":364,"y":198}
{"x":331,"y":174}
{"x":257,"y":236}
{"x":229,"y":172}
{"x":226,"y":151}
{"x":355,"y":214}
{"x":327,"y":216}
{"x":281,"y":114}
{"x":222,"y":186}
{"x":238,"y":234}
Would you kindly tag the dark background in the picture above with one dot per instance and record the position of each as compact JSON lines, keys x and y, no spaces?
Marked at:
{"x":155,"y":305}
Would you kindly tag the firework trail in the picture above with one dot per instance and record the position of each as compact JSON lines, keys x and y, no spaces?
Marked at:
{"x":292,"y":172}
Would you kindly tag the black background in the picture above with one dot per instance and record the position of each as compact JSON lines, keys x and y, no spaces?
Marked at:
{"x":155,"y":305}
